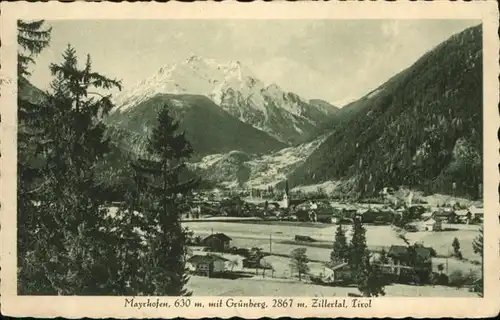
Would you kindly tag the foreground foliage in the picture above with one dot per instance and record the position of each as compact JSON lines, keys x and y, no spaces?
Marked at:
{"x":69,"y":242}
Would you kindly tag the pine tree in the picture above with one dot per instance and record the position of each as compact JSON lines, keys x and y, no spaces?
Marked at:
{"x":162,"y":195}
{"x":340,"y":250}
{"x":73,"y":233}
{"x":32,"y":38}
{"x":456,"y":248}
{"x":31,"y":141}
{"x":129,"y":226}
{"x":358,"y":249}
{"x":370,"y":281}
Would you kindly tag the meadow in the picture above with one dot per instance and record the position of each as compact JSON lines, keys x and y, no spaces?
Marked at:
{"x":279,"y":240}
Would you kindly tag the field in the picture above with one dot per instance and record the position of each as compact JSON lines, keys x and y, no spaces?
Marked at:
{"x":441,"y":241}
{"x":279,"y":239}
{"x":258,"y":286}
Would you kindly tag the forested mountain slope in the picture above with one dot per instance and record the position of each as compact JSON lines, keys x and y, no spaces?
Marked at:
{"x":422,"y":128}
{"x":208,"y":128}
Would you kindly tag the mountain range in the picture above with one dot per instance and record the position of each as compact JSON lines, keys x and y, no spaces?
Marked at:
{"x":234,"y":88}
{"x":422,"y":128}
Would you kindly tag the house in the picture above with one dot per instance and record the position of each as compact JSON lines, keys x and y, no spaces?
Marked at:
{"x":341,"y":273}
{"x":377,"y":216}
{"x":448,"y":215}
{"x":426,"y":215}
{"x":432,"y":224}
{"x":217,"y":242}
{"x":324,"y":216}
{"x":403,"y":264}
{"x":337,"y":273}
{"x":463,"y":216}
{"x":206,"y":265}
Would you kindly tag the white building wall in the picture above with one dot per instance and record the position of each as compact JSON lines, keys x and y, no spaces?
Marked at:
{"x":219,"y":266}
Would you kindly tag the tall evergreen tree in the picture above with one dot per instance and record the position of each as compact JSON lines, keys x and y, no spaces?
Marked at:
{"x":32,"y":38}
{"x":72,"y":228}
{"x":162,"y":195}
{"x":358,"y":249}
{"x":456,"y":248}
{"x":370,"y":281}
{"x":340,"y":250}
{"x":130,"y":225}
{"x":477,"y":243}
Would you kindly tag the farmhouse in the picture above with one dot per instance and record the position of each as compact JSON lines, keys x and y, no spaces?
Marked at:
{"x":377,"y":215}
{"x":448,"y":215}
{"x":432,"y":225}
{"x":463,"y":215}
{"x":401,"y":261}
{"x":217,"y":242}
{"x":206,"y":265}
{"x":339,"y":273}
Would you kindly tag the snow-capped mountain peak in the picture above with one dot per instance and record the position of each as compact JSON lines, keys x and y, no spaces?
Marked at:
{"x":194,"y":75}
{"x":236,"y":89}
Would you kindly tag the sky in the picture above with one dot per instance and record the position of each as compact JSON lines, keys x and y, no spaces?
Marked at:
{"x":335,"y":60}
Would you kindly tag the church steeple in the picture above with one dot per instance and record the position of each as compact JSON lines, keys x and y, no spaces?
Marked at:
{"x":285,"y":203}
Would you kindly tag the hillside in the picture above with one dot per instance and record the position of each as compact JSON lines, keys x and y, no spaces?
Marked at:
{"x":234,"y":88}
{"x":250,"y":171}
{"x":324,"y":105}
{"x":29,"y":92}
{"x":208,"y":128}
{"x":422,"y":128}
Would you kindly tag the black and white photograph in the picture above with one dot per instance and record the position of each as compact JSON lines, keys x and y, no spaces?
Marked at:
{"x":324,"y":158}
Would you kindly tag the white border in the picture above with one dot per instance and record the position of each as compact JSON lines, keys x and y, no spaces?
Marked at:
{"x":74,"y":307}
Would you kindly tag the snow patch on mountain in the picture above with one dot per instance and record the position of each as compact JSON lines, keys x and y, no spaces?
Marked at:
{"x":193,"y":75}
{"x":236,"y":89}
{"x":264,"y":170}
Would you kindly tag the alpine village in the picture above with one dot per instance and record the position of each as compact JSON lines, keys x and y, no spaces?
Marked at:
{"x":222,"y":185}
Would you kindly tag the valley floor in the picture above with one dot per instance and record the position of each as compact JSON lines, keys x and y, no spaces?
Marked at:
{"x":258,"y":286}
{"x":278,"y":240}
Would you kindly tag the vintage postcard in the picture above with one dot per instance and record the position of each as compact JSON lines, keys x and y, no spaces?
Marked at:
{"x":314,"y":159}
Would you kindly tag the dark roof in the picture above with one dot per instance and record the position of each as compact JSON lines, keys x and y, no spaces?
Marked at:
{"x":398,"y":251}
{"x":220,"y":236}
{"x":402,"y":252}
{"x":205,"y":258}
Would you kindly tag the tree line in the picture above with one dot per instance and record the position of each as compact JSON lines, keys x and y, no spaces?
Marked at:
{"x":69,"y":242}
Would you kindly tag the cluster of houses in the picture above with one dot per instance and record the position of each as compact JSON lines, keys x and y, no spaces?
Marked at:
{"x":423,"y":217}
{"x":400,"y":263}
{"x":210,"y":264}
{"x":433,"y":220}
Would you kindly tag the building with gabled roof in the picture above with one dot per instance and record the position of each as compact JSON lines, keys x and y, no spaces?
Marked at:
{"x":217,"y":242}
{"x":206,"y":265}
